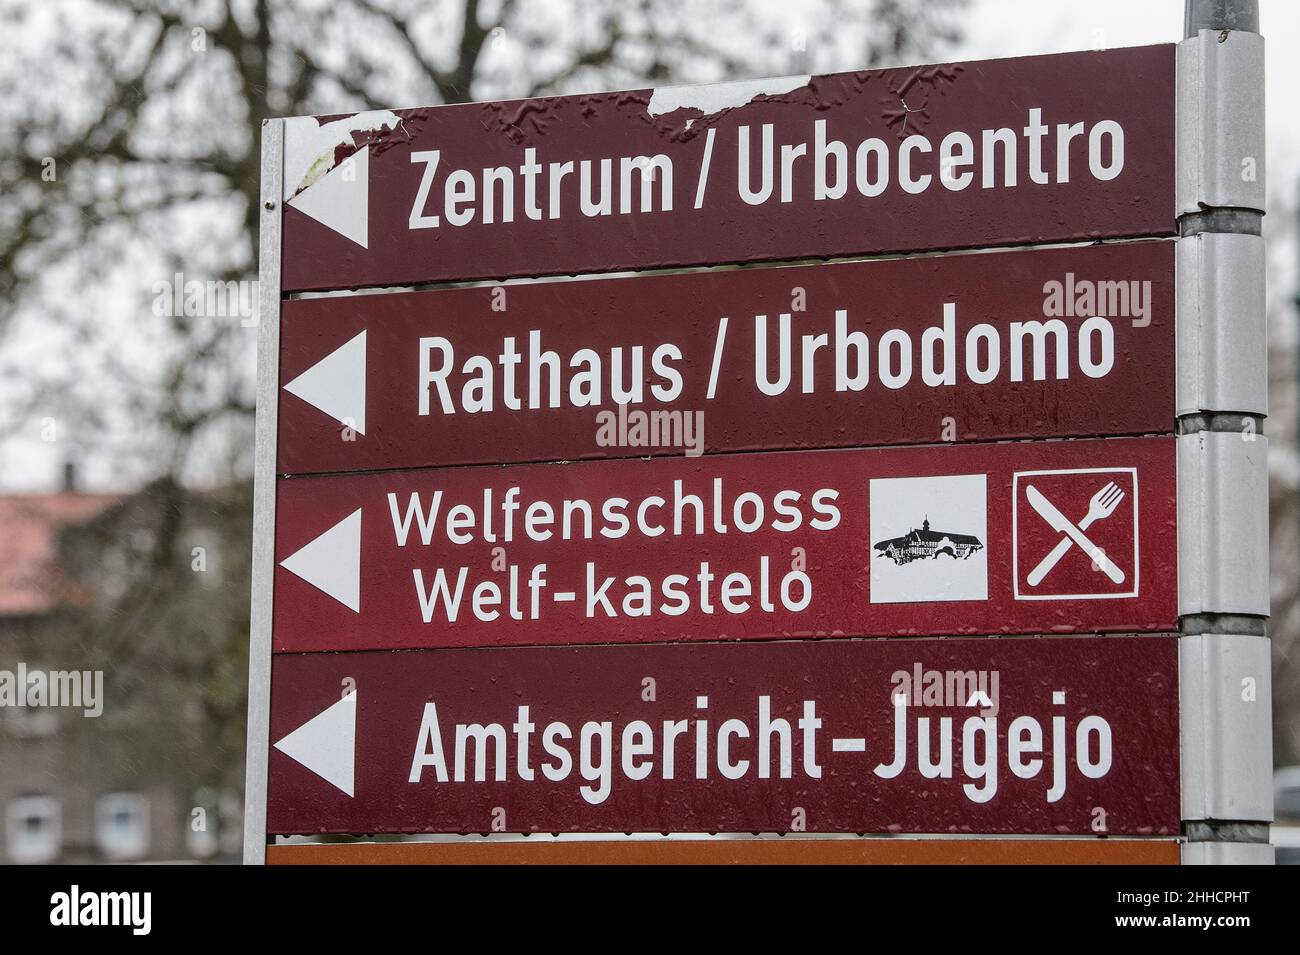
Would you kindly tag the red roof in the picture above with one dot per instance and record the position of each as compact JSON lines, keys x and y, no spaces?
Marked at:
{"x":31,"y":581}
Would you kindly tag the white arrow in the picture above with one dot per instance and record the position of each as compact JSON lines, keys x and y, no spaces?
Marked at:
{"x":326,"y":743}
{"x":337,"y":384}
{"x":340,"y":199}
{"x":332,"y":562}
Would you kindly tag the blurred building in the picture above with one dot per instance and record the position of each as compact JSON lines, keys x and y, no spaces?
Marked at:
{"x":121,"y":785}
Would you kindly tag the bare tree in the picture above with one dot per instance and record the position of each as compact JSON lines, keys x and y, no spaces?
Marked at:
{"x":1284,"y":475}
{"x":129,"y":156}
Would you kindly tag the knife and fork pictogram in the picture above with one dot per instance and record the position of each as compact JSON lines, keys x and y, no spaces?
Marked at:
{"x":1102,"y":506}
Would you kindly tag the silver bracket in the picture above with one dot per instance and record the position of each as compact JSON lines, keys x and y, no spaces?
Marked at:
{"x":1223,"y":523}
{"x":1221,"y":327}
{"x":1226,"y":727}
{"x":1220,"y":121}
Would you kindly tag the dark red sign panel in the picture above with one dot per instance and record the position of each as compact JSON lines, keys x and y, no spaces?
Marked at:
{"x":1000,"y":538}
{"x":1021,"y":735}
{"x":1035,"y":343}
{"x":962,"y":155}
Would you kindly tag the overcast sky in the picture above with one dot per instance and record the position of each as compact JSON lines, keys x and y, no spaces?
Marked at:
{"x":1015,"y":28}
{"x":999,"y":28}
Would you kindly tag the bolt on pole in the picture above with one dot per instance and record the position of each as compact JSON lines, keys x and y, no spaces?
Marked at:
{"x":1222,"y":401}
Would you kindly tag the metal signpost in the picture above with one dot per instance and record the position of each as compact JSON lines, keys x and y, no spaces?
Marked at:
{"x":788,"y":549}
{"x":1223,"y":581}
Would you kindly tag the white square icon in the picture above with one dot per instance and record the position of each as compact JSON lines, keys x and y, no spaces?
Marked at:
{"x":1075,"y":534}
{"x":929,"y":539}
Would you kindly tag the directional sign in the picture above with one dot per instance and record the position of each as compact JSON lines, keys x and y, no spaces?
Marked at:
{"x":1060,"y":735}
{"x":613,"y":555}
{"x":1001,"y":538}
{"x":1053,"y":342}
{"x":961,"y":155}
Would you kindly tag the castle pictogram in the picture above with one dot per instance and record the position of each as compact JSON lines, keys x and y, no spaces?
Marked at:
{"x":918,"y":544}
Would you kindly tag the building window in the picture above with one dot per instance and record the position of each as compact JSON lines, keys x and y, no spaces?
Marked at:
{"x":33,"y":827}
{"x":122,"y":826}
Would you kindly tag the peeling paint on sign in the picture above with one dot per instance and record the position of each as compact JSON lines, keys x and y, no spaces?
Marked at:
{"x":310,"y":147}
{"x":951,"y":156}
{"x":719,"y":96}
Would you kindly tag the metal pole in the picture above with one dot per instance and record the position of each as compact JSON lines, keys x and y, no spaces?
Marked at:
{"x":1224,"y":659}
{"x":1201,"y":15}
{"x":264,"y":450}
